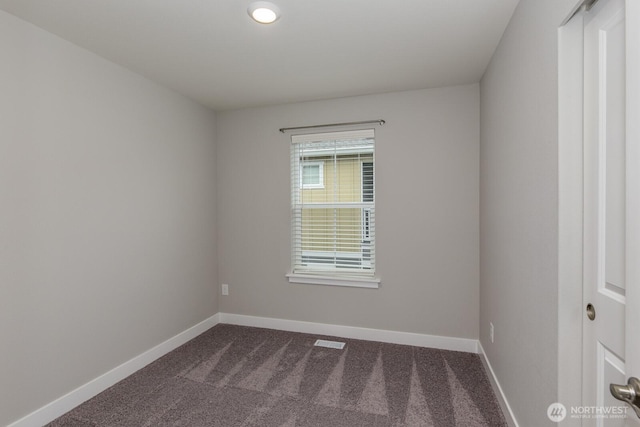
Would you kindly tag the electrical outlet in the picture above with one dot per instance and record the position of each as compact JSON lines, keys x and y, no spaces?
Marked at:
{"x":491,"y":331}
{"x":225,"y":291}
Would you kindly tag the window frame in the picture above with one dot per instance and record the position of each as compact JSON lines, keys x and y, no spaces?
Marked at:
{"x":338,"y":272}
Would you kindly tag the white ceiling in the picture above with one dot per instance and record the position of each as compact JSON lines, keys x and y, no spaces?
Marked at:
{"x":212,"y":52}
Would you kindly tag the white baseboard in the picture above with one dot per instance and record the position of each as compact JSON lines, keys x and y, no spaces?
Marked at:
{"x":393,"y":337}
{"x":64,"y":404}
{"x":502,"y":399}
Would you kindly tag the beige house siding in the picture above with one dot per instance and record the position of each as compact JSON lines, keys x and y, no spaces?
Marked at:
{"x":319,"y":222}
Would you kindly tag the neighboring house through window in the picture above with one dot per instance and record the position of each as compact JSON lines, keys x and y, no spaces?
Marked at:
{"x":367,"y":197}
{"x":312,"y":175}
{"x":333,"y":208}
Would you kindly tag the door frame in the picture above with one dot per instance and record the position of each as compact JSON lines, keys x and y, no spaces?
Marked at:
{"x":570,"y":212}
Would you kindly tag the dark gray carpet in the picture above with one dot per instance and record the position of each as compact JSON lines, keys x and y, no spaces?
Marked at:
{"x":240,"y":376}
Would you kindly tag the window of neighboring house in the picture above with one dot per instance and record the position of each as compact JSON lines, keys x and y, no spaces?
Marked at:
{"x":312,"y":175}
{"x":333,"y":208}
{"x":367,"y":196}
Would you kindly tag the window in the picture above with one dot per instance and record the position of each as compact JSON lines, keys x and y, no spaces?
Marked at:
{"x":367,"y":196}
{"x":312,"y":175}
{"x":333,"y":208}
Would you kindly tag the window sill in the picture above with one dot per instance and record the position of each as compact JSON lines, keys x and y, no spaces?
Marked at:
{"x":308,"y":279}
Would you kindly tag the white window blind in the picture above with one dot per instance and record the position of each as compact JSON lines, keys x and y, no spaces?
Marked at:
{"x":333,"y":221}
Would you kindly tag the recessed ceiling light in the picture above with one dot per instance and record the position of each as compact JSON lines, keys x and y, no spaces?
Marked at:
{"x":264,"y":12}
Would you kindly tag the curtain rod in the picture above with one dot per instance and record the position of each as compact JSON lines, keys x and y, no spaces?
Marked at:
{"x":366,"y":122}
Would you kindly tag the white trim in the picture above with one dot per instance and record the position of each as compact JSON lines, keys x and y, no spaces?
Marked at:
{"x":64,"y":404}
{"x":342,"y":151}
{"x":502,"y":399}
{"x":570,"y":213}
{"x":354,"y":282}
{"x":632,"y":353}
{"x":334,"y":136}
{"x":394,"y":337}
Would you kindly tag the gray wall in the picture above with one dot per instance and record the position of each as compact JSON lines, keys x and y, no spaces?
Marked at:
{"x":426,"y":213}
{"x":107,"y":195}
{"x":519,"y":208}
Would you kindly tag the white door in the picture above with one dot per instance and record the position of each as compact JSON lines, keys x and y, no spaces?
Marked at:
{"x":611,"y":272}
